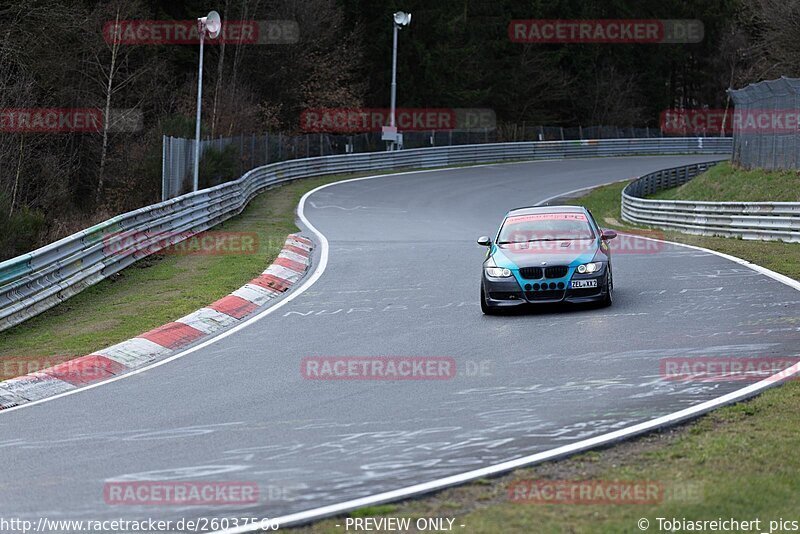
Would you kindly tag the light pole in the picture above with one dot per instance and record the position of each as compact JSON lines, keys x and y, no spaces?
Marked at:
{"x":213,"y":24}
{"x":390,"y":134}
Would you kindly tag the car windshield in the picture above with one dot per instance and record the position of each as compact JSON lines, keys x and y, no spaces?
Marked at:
{"x":545,"y":227}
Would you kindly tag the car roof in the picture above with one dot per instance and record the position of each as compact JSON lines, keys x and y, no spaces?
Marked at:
{"x":531,"y":210}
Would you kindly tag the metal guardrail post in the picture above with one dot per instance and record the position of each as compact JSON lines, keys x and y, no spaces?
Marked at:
{"x":164,"y":178}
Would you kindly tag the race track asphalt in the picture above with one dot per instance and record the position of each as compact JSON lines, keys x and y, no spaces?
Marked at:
{"x":401,"y":280}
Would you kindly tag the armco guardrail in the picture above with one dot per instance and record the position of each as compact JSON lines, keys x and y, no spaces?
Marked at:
{"x":34,"y":282}
{"x":768,"y":221}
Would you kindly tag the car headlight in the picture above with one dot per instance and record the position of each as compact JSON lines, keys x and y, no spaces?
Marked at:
{"x":588,"y":268}
{"x":498,"y":272}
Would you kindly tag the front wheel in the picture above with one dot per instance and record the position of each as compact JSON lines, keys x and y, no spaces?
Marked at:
{"x":609,"y":298}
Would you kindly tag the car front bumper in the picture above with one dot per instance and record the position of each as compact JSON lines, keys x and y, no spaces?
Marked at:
{"x":507,"y":293}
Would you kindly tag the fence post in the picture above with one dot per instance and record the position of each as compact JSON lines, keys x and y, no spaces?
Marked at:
{"x":164,"y":168}
{"x":241,"y":153}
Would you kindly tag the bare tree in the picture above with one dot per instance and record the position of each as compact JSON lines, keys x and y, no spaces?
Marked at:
{"x":220,"y":73}
{"x":773,"y":27}
{"x":613,"y":98}
{"x":324,"y":69}
{"x":112,"y":72}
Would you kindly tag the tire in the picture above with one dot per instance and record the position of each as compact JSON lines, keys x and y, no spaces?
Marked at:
{"x":609,"y":298}
{"x":485,"y":308}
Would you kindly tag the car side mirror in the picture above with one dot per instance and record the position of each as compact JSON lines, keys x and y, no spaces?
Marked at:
{"x":484,"y":241}
{"x":608,"y":234}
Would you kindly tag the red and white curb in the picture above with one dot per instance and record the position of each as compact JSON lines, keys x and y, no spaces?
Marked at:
{"x":289,"y":267}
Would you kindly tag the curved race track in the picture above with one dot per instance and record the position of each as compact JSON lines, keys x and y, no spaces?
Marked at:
{"x":402,"y":279}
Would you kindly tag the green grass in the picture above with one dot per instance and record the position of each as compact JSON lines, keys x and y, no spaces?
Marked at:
{"x":155,"y":290}
{"x":370,"y":511}
{"x":724,"y":182}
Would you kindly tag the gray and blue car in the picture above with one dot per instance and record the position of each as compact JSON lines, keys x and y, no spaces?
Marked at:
{"x":547,"y":254}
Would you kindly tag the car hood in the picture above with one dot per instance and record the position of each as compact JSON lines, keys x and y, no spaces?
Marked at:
{"x":551,"y":252}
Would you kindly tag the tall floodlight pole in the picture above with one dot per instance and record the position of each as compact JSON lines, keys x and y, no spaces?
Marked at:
{"x":399,"y":20}
{"x":211,"y":24}
{"x":394,"y":77}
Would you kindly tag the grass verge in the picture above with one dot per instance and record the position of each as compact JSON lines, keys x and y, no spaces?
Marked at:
{"x":724,"y":182}
{"x":736,"y":462}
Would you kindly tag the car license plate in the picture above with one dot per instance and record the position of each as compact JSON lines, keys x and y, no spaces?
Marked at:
{"x":579,"y":284}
